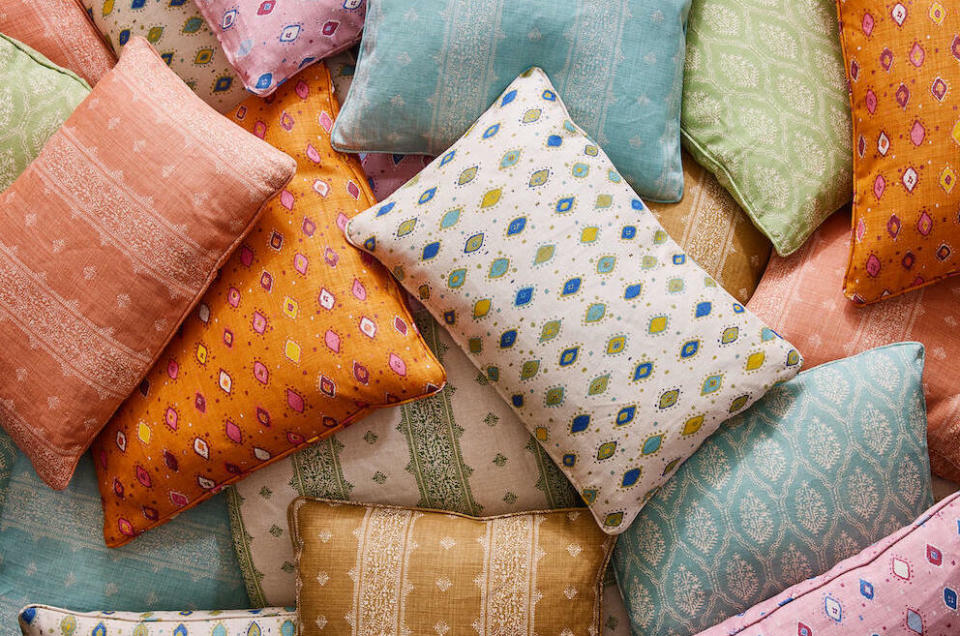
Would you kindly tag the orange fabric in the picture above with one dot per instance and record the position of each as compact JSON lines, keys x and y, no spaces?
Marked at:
{"x":800,"y":298}
{"x":61,"y":31}
{"x":105,"y":247}
{"x":903,"y":64}
{"x":299,"y":336}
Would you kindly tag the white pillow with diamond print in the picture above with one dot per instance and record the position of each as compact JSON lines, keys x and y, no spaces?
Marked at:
{"x":617,"y":351}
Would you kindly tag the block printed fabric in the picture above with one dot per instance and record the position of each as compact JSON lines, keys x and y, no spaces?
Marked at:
{"x":820,"y":468}
{"x":427,"y":71}
{"x":901,"y":61}
{"x":461,"y":450}
{"x":181,"y":37}
{"x":43,"y":620}
{"x":905,"y":584}
{"x":52,"y":551}
{"x":801,"y":298}
{"x":765,"y":109}
{"x":36,"y":97}
{"x":299,"y":336}
{"x":389,"y":570}
{"x":61,"y":31}
{"x":615,"y":349}
{"x":100,"y":259}
{"x":268,"y":42}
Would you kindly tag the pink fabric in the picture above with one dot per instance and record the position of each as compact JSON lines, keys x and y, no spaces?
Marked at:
{"x":268,"y":41}
{"x":906,"y":583}
{"x":387,"y":172}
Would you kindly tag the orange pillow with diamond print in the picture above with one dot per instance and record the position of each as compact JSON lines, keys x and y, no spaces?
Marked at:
{"x":903,"y":65}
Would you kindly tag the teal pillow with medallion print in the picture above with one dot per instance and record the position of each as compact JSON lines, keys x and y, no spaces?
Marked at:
{"x":815,"y":471}
{"x":427,"y":70}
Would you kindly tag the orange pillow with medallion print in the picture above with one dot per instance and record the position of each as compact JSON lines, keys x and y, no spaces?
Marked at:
{"x":299,"y":336}
{"x":903,"y":64}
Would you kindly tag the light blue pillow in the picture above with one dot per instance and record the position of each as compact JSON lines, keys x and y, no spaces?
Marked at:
{"x":427,"y":70}
{"x":821,"y":467}
{"x":52,"y":552}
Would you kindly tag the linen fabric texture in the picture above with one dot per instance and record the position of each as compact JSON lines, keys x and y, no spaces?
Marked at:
{"x":388,"y":570}
{"x":60,"y":31}
{"x":900,"y":63}
{"x":905,"y":584}
{"x":181,"y":36}
{"x":715,"y":232}
{"x":820,"y":468}
{"x":799,"y":295}
{"x":619,"y":354}
{"x":53,"y":552}
{"x":269,"y":42}
{"x":462,"y":450}
{"x":42,"y":620}
{"x":426,"y":71}
{"x":299,"y":336}
{"x":765,"y":109}
{"x":100,"y":260}
{"x":36,"y":96}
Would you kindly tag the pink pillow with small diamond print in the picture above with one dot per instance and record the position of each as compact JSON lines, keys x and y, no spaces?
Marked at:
{"x":268,"y":41}
{"x":905,"y":584}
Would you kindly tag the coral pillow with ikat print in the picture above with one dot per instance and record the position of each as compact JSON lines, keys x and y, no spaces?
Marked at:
{"x":615,"y":349}
{"x":299,"y":336}
{"x":903,"y":63}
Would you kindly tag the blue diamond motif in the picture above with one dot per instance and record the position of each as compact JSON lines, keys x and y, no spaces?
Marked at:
{"x":385,"y":208}
{"x":866,"y":589}
{"x":447,"y":158}
{"x":507,"y":338}
{"x":628,"y":232}
{"x":516,"y":226}
{"x":523,"y":296}
{"x":509,"y":97}
{"x":491,"y":131}
{"x":569,"y":356}
{"x":554,"y":140}
{"x":950,"y":598}
{"x":580,"y":423}
{"x":564,"y":205}
{"x":595,"y":312}
{"x":679,"y":259}
{"x":643,"y":371}
{"x":572,"y":286}
{"x":264,"y":81}
{"x":626,"y":414}
{"x":630,"y":477}
{"x":632,"y":291}
{"x":431,"y":250}
{"x":711,"y":384}
{"x":689,"y":349}
{"x":569,"y":460}
{"x":703,"y":309}
{"x":427,"y":195}
{"x":516,"y":400}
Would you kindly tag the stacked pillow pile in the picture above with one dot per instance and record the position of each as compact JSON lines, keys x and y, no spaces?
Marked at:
{"x":484,"y":351}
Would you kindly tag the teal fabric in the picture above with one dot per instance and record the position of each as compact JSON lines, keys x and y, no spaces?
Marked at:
{"x":820,"y":468}
{"x":428,"y":70}
{"x":52,"y":552}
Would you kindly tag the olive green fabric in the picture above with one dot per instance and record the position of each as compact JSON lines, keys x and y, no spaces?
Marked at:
{"x":36,"y":96}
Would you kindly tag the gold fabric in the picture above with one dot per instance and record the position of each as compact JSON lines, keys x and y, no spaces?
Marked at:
{"x":369,"y":570}
{"x":714,"y":231}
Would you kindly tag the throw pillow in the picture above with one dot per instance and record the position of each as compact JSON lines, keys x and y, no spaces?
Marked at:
{"x":426,"y":72}
{"x":269,"y":42}
{"x":43,"y":620}
{"x":799,"y":295}
{"x":619,"y":354}
{"x":900,"y":64}
{"x":36,"y":96}
{"x":53,"y":553}
{"x":820,"y":468}
{"x":387,"y":570}
{"x":765,"y":109}
{"x":182,"y":38}
{"x":107,"y":240}
{"x":904,"y":584}
{"x":712,"y":229}
{"x":299,"y":336}
{"x":60,"y":30}
{"x":462,"y":450}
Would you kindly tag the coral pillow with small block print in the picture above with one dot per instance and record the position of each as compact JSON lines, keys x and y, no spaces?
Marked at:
{"x":907,"y":583}
{"x":300,"y":335}
{"x":267,"y":42}
{"x":903,"y":64}
{"x":615,"y":349}
{"x":107,"y":240}
{"x":427,"y":70}
{"x":60,"y":30}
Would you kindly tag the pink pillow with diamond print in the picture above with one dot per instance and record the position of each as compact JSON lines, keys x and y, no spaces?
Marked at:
{"x":906,"y":584}
{"x":268,"y":41}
